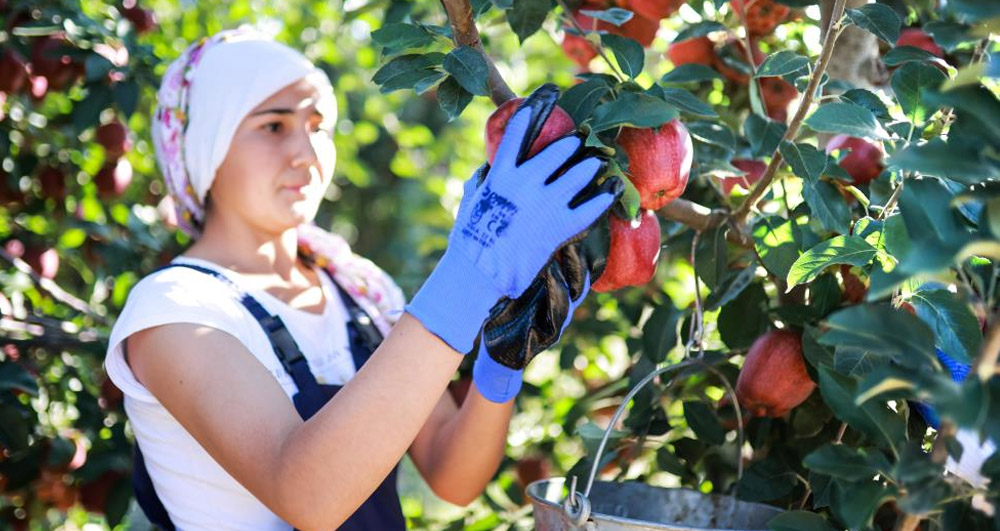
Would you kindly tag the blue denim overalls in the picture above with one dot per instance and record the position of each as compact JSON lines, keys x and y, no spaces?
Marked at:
{"x":382,"y":510}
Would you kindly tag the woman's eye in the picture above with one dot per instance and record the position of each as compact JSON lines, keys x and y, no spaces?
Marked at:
{"x":273,"y":127}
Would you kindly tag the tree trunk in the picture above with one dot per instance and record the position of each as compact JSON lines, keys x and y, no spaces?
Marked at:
{"x":856,"y":58}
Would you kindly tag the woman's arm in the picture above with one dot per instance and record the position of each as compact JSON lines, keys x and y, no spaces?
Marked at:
{"x":313,"y":474}
{"x":459,"y":449}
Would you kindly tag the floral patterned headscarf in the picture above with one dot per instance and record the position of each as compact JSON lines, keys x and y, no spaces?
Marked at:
{"x":204,"y":95}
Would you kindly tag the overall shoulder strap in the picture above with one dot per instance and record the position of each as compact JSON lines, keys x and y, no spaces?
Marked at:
{"x":364,"y":335}
{"x":281,"y":339}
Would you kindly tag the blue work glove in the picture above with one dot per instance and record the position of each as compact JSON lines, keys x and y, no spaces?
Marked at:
{"x":510,"y":226}
{"x":499,"y":367}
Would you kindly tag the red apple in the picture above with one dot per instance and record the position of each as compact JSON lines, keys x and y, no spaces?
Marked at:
{"x":143,"y":20}
{"x":863,"y":163}
{"x":855,"y":289}
{"x":753,"y":170}
{"x":774,"y":379}
{"x":111,"y":395}
{"x":777,"y":94}
{"x":114,"y":137}
{"x":558,"y":124}
{"x":94,"y":495}
{"x":633,"y":254}
{"x":53,"y":182}
{"x":49,"y":60}
{"x":13,"y":71}
{"x":917,"y":38}
{"x":113,"y":179}
{"x":531,"y":469}
{"x":659,"y":161}
{"x":639,"y":28}
{"x":697,"y":50}
{"x":578,"y":49}
{"x":45,"y":261}
{"x":762,"y":16}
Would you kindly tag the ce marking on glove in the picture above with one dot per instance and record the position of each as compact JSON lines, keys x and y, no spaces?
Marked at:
{"x":495,"y":212}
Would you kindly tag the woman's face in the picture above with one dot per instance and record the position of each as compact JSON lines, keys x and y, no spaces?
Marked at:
{"x":280,"y":161}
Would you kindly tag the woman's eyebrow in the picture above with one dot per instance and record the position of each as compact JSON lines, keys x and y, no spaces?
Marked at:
{"x":308,"y":102}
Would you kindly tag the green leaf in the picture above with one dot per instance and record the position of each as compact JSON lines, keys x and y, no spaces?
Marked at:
{"x":844,"y":462}
{"x":698,"y":29}
{"x":884,"y":330}
{"x":745,"y":318}
{"x":782,"y":63}
{"x":690,"y":73}
{"x":806,"y":161}
{"x":857,"y":362}
{"x":956,"y":328}
{"x":704,"y":423}
{"x":659,"y":333}
{"x":910,"y":81}
{"x":827,"y":205}
{"x":399,"y":36}
{"x":816,"y":354}
{"x":628,"y":53}
{"x":868,"y":100}
{"x":883,"y":426}
{"x":408,"y":71}
{"x":469,"y":68}
{"x":526,"y":17}
{"x":126,"y":96}
{"x":713,"y":133}
{"x":854,"y":503}
{"x":905,"y":54}
{"x":452,"y":98}
{"x":925,"y":205}
{"x":687,"y":102}
{"x":879,"y":19}
{"x":852,"y":250}
{"x":13,"y":377}
{"x":846,"y":118}
{"x":581,"y":100}
{"x":632,"y":110}
{"x":87,"y":112}
{"x":776,"y":242}
{"x":764,"y":480}
{"x":764,"y":134}
{"x":615,"y":15}
{"x":799,"y":521}
{"x":731,"y":285}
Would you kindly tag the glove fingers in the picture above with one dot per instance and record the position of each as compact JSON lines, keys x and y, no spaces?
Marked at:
{"x":556,"y":155}
{"x":574,"y":180}
{"x":541,"y":102}
{"x":586,"y":213}
{"x":508,"y":153}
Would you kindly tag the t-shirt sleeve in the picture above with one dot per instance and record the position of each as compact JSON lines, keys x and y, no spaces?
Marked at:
{"x":174,"y":295}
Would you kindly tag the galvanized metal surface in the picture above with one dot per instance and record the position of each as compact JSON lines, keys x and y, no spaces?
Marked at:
{"x":634,"y":506}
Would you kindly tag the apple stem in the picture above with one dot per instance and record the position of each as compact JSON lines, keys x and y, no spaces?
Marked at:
{"x":463,"y":27}
{"x":829,"y":40}
{"x":53,"y":289}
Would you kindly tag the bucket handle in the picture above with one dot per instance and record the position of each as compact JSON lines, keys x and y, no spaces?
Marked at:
{"x":577,"y":506}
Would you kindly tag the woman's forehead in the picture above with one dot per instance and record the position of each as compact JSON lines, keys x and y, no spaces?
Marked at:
{"x":300,"y":95}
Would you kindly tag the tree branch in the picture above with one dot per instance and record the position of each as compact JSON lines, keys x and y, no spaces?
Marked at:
{"x":702,"y":218}
{"x":465,"y":33}
{"x":53,"y":289}
{"x":740,"y":216}
{"x":986,"y":363}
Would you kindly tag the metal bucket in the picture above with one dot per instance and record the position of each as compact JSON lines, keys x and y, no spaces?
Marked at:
{"x":632,"y":506}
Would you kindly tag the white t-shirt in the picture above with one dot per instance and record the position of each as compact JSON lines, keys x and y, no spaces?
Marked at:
{"x":195,"y":490}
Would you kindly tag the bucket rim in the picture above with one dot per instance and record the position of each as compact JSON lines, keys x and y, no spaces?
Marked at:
{"x":536,"y":485}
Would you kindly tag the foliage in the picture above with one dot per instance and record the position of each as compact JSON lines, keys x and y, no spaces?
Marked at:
{"x":922,"y":233}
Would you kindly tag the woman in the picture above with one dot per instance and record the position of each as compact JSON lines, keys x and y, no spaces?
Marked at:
{"x":271,"y":376}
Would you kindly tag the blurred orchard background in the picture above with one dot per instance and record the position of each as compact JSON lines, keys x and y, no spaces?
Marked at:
{"x":868,"y":280}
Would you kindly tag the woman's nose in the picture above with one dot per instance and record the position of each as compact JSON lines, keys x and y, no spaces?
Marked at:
{"x":303,"y":151}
